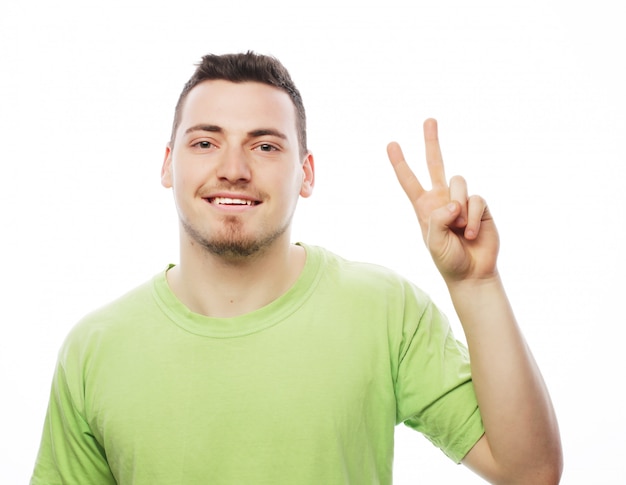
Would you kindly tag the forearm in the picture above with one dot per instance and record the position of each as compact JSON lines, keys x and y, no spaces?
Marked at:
{"x":520,"y":425}
{"x":521,"y":442}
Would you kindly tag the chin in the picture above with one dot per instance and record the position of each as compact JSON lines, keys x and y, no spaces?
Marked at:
{"x":235,"y":246}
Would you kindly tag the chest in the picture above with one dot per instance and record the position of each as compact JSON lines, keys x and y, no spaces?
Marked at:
{"x":295,"y":393}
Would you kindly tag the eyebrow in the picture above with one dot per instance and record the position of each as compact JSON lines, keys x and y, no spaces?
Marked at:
{"x":265,"y":132}
{"x":252,"y":134}
{"x":201,"y":127}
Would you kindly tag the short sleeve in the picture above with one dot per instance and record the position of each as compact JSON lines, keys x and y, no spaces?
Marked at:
{"x":434,"y":389}
{"x":69,"y":454}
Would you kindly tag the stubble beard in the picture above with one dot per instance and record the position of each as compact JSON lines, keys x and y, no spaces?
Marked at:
{"x":232,"y":245}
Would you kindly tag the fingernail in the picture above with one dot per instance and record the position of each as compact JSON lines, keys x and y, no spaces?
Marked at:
{"x":451,"y":206}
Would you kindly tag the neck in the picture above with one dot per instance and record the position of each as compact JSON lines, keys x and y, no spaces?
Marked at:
{"x":217,"y":287}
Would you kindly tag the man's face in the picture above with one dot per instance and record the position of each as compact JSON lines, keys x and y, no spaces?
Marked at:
{"x":235,"y":167}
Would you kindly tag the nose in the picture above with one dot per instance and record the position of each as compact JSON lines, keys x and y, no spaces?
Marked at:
{"x":234,"y":165}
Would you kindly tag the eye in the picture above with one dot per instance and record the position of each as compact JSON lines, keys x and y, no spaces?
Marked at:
{"x":266,"y":147}
{"x":203,"y":144}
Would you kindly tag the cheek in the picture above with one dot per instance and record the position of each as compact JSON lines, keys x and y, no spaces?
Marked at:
{"x":292,"y":194}
{"x":186,"y":178}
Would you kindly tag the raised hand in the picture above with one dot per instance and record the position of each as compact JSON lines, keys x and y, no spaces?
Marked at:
{"x":458,"y":230}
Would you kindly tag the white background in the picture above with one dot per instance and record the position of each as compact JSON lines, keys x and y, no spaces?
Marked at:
{"x":530,"y":100}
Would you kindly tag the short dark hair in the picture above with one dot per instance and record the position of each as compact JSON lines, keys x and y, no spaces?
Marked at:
{"x":245,"y":67}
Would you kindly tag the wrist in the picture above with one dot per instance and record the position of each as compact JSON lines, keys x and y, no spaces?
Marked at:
{"x":473,"y":295}
{"x":472,"y":284}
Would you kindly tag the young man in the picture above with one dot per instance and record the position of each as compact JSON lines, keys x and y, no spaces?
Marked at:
{"x":257,"y":361}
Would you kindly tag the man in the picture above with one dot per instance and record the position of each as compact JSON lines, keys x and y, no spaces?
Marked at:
{"x":257,"y":361}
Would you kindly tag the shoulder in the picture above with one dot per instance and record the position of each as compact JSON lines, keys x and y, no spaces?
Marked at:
{"x":111,"y":319}
{"x":379,"y":282}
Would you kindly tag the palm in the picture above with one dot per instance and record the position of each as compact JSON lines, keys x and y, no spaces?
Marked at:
{"x":463,"y":241}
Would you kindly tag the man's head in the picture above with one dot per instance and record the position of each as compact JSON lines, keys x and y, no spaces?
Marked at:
{"x":248,"y":67}
{"x":237,"y":161}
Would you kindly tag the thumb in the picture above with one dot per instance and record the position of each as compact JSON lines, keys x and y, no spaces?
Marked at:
{"x":441,"y":223}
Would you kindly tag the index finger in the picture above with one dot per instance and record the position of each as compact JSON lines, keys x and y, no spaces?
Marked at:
{"x":409,"y":182}
{"x":434,"y":159}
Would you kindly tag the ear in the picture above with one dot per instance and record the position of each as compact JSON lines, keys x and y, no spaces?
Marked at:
{"x":166,"y":169}
{"x":308,"y":181}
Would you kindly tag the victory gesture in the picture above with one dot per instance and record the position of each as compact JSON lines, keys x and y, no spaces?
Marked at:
{"x":458,"y":230}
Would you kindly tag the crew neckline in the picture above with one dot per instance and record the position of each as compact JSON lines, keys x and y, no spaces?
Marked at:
{"x":267,"y":316}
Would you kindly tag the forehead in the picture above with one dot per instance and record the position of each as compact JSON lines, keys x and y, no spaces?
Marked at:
{"x":246,"y":105}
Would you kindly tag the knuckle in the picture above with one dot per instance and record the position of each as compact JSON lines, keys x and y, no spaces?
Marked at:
{"x":457,"y":179}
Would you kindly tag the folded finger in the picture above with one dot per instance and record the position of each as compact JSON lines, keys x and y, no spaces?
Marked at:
{"x":476,"y":209}
{"x":458,"y":193}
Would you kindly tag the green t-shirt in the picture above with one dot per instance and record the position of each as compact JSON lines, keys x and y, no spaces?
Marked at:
{"x":306,"y":390}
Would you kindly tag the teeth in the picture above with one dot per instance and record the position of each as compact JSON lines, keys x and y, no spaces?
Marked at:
{"x":229,"y":201}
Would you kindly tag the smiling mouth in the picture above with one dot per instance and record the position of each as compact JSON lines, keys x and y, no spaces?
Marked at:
{"x":232,"y":202}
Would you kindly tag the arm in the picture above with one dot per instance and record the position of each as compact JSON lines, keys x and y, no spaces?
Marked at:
{"x":69,"y":453}
{"x":521,"y":442}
